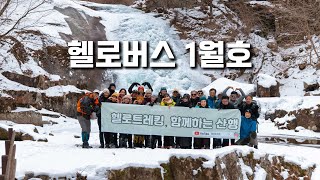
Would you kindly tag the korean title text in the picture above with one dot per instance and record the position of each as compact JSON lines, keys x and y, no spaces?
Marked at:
{"x":134,"y":54}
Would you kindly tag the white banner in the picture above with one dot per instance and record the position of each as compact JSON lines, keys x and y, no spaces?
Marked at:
{"x":173,"y":121}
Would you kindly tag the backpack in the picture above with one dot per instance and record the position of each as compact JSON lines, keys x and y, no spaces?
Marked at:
{"x":85,"y":105}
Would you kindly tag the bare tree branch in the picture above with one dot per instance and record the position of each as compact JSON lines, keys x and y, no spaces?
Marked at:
{"x":25,"y":14}
{"x":3,"y":9}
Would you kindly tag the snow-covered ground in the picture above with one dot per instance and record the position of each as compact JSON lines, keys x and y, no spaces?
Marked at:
{"x":60,"y":156}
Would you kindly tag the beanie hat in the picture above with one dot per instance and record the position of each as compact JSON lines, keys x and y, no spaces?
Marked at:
{"x":127,"y":97}
{"x":96,"y":91}
{"x":249,"y":111}
{"x":115,"y":94}
{"x":106,"y":91}
{"x":203,"y":98}
{"x":140,"y":88}
{"x":175,"y":90}
{"x":148,"y":91}
{"x":163,"y":89}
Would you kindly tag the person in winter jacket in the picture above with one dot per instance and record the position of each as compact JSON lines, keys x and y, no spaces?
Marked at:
{"x":248,"y":130}
{"x":226,"y":104}
{"x":138,"y":140}
{"x":168,"y":140}
{"x":184,"y":142}
{"x":134,"y":95}
{"x":235,"y":98}
{"x":130,"y":90}
{"x":161,"y":94}
{"x":122,"y":93}
{"x":155,"y":139}
{"x":125,"y":140}
{"x":104,"y":137}
{"x":114,"y":98}
{"x":200,"y":93}
{"x":250,"y":104}
{"x":176,"y":95}
{"x":140,"y":100}
{"x":213,"y":101}
{"x":148,"y":95}
{"x":113,"y":136}
{"x":112,"y":88}
{"x":86,"y":105}
{"x":194,"y":98}
{"x":202,"y":143}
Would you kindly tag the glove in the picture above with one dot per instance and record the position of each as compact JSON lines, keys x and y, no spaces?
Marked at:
{"x":151,"y":104}
{"x":145,"y":83}
{"x":136,"y":84}
{"x":190,"y":107}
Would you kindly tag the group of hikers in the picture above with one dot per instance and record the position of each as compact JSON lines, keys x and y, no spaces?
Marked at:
{"x":142,"y":94}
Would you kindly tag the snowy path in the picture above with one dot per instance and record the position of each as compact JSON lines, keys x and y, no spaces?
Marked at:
{"x":60,"y":156}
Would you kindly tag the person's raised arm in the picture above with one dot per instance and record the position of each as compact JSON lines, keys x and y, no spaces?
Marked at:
{"x":147,"y":84}
{"x":131,"y":87}
{"x":243,"y":95}
{"x":224,"y":93}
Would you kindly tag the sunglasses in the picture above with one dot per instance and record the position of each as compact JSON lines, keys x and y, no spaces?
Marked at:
{"x":193,"y":94}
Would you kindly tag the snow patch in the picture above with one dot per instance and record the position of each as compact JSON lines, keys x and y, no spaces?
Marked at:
{"x":266,"y":81}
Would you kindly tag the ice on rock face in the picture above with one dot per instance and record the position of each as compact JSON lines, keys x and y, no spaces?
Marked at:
{"x":126,"y":24}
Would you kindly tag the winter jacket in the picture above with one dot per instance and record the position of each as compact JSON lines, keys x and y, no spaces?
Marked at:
{"x":213,"y":102}
{"x":177,"y":98}
{"x":87,"y":105}
{"x":110,"y":90}
{"x":166,"y":104}
{"x":247,"y":126}
{"x":229,"y":106}
{"x":253,"y":107}
{"x":194,"y":102}
{"x":239,"y":100}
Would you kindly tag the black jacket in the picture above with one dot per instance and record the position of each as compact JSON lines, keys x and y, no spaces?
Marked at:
{"x":229,"y":106}
{"x":110,"y":90}
{"x":176,"y":99}
{"x":253,"y":107}
{"x":194,"y":102}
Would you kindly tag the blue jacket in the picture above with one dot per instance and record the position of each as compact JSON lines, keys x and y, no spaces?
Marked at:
{"x":213,"y":102}
{"x":247,"y":126}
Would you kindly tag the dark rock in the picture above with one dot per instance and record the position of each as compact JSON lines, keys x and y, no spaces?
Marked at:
{"x":227,"y":166}
{"x":311,"y":86}
{"x":63,"y":104}
{"x":7,"y":104}
{"x":302,"y":66}
{"x":19,"y":136}
{"x":307,"y":118}
{"x":23,"y":117}
{"x":136,"y":173}
{"x":273,"y":91}
{"x":36,"y":130}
